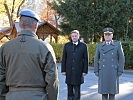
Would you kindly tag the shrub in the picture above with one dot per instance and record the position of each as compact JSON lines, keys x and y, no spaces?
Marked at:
{"x":58,"y":49}
{"x":91,"y":51}
{"x":128,"y":51}
{"x":127,"y":48}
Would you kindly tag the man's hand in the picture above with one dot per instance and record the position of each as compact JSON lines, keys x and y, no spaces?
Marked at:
{"x":84,"y":74}
{"x":64,"y":73}
{"x":96,"y":73}
{"x":119,"y":73}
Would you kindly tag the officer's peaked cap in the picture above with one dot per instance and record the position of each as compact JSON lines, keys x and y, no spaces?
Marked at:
{"x":108,"y":30}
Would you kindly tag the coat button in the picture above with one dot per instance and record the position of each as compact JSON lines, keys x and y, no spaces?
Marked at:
{"x":103,"y":65}
{"x":73,"y":68}
{"x":112,"y":53}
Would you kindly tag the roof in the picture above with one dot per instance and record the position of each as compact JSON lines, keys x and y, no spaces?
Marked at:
{"x":5,"y":31}
{"x":44,"y":29}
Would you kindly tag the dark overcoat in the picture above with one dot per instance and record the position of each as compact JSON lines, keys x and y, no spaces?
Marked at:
{"x":75,"y":62}
{"x":109,"y":61}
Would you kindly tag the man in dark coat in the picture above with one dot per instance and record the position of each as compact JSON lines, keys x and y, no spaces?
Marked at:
{"x":109,"y":65}
{"x":27,"y":65}
{"x":74,"y":65}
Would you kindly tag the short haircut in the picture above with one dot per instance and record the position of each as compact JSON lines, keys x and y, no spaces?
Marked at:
{"x":75,"y":31}
{"x":27,"y":21}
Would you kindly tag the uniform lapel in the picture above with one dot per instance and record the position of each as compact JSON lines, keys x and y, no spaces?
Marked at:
{"x":107,"y":48}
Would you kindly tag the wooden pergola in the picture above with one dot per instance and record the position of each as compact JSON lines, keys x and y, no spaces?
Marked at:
{"x":6,"y":32}
{"x":44,"y":30}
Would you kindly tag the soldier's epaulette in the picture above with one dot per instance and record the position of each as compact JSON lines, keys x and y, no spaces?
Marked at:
{"x":103,"y":43}
{"x":116,"y":41}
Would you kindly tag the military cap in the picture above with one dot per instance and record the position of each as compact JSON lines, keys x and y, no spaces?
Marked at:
{"x":29,"y":13}
{"x":108,"y":30}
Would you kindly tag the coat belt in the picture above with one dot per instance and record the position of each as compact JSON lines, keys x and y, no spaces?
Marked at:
{"x":22,"y":88}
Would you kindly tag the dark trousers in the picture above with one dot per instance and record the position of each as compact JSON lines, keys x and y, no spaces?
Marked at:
{"x":108,"y":96}
{"x":73,"y":92}
{"x":2,"y":97}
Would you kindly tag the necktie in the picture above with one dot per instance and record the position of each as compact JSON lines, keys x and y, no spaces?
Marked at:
{"x":108,"y":43}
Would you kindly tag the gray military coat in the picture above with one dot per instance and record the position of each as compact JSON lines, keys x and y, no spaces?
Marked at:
{"x":108,"y":62}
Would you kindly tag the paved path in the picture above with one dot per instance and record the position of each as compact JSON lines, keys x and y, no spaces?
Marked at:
{"x":89,"y":88}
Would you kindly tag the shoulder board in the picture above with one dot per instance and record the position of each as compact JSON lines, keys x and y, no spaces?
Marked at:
{"x":115,"y":40}
{"x":103,"y":43}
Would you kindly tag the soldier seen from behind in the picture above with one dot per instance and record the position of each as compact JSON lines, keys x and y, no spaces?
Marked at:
{"x":27,"y":65}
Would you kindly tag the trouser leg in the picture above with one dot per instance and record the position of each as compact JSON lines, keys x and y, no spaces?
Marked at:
{"x":104,"y":96}
{"x":2,"y":97}
{"x":111,"y":96}
{"x":76,"y":92}
{"x":70,"y":92}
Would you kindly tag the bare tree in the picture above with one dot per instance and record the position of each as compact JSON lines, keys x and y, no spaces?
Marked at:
{"x":49,"y":14}
{"x":10,"y":9}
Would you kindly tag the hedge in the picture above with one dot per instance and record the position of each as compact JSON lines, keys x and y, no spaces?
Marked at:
{"x":58,"y":48}
{"x":127,"y":48}
{"x":128,"y":51}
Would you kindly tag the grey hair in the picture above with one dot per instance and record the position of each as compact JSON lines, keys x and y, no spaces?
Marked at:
{"x":75,"y":31}
{"x":27,"y":21}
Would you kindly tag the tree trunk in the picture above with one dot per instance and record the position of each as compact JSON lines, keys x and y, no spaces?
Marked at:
{"x":8,"y":14}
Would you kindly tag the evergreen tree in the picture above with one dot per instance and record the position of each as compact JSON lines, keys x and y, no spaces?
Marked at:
{"x":91,"y":16}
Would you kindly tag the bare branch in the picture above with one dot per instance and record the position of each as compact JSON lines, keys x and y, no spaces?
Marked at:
{"x":8,"y":13}
{"x":13,"y":4}
{"x":20,"y":7}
